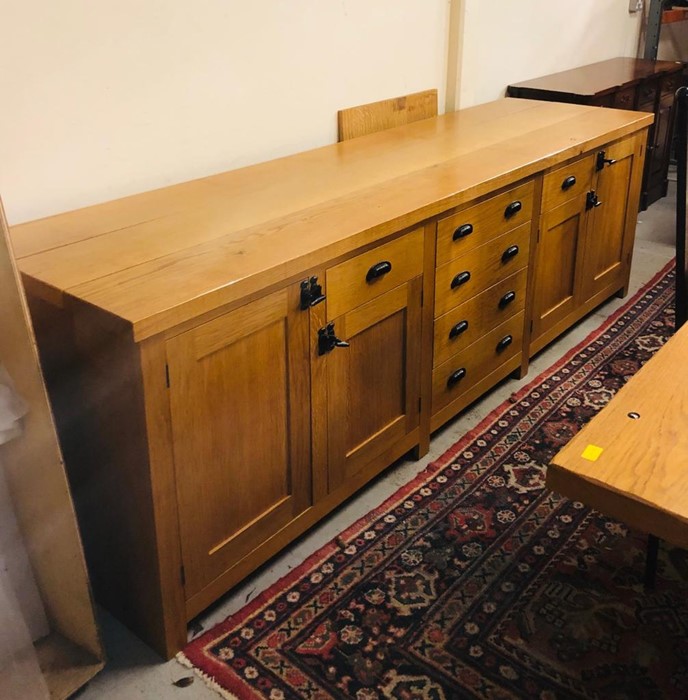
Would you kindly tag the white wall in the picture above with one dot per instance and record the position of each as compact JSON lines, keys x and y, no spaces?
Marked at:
{"x":103,"y":99}
{"x":506,"y":41}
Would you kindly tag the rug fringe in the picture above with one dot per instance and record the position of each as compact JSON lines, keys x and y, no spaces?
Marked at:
{"x":209,"y":682}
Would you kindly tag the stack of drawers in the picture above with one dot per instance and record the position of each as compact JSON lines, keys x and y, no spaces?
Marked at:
{"x":480,"y":286}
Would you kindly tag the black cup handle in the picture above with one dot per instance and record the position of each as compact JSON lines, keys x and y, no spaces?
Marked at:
{"x":510,"y":252}
{"x":512,"y":209}
{"x":456,"y":377}
{"x":504,"y":343}
{"x":378,"y":270}
{"x":460,"y":279}
{"x":569,"y":182}
{"x":462,"y":231}
{"x":507,"y":299}
{"x":458,"y":329}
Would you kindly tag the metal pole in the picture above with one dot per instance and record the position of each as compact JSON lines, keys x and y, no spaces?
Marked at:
{"x":654,"y":24}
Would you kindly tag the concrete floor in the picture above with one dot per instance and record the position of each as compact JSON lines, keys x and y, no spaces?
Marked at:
{"x":134,"y":671}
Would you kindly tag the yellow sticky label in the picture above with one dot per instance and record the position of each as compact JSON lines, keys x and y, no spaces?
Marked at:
{"x":592,"y":453}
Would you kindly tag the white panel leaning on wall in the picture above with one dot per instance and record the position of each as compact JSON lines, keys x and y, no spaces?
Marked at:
{"x":22,"y":615}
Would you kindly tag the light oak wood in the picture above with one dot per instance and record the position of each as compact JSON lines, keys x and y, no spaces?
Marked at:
{"x":583,"y":251}
{"x":555,"y":188}
{"x":373,"y":386}
{"x":479,"y":360}
{"x":244,"y":231}
{"x":558,"y":277}
{"x":347,"y":281}
{"x":612,"y":229}
{"x":239,"y":399}
{"x":467,"y":397}
{"x":640,"y":476}
{"x":487,"y":221}
{"x":32,"y":464}
{"x":482,"y":313}
{"x":385,"y":114}
{"x":485,"y":265}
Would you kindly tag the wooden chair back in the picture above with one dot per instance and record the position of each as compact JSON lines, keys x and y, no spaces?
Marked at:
{"x":377,"y":116}
{"x":681,"y":193}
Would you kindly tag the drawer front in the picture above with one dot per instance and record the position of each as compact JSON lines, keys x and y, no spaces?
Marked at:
{"x":476,"y":361}
{"x":624,"y":99}
{"x":468,"y":322}
{"x":375,"y":272}
{"x":481,"y":268}
{"x":647,"y":93}
{"x":670,"y":84}
{"x":459,"y":233}
{"x":567,"y":182}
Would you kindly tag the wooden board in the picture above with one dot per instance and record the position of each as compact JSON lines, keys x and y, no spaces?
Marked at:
{"x":385,"y":114}
{"x":38,"y":485}
{"x":639,"y":477}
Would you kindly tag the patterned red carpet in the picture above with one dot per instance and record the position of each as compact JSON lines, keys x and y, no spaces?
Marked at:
{"x":473,"y":581}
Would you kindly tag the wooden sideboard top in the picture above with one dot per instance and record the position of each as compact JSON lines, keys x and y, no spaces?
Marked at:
{"x":163,"y":257}
{"x":598,"y":78}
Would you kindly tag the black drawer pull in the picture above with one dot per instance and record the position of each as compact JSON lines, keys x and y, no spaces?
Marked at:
{"x":510,"y":252}
{"x":512,"y":209}
{"x":569,"y":182}
{"x":462,"y":231}
{"x":458,"y":329}
{"x":507,"y":299}
{"x":460,"y":279}
{"x":504,"y":343}
{"x":456,"y":377}
{"x":378,"y":270}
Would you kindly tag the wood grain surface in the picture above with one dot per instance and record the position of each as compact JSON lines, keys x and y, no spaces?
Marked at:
{"x":640,"y":476}
{"x":161,"y":258}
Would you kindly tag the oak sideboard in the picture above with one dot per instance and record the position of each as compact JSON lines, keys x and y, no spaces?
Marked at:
{"x":231,"y":358}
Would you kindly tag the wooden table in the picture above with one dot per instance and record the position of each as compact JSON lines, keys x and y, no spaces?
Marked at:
{"x":622,"y":83}
{"x":641,"y":473}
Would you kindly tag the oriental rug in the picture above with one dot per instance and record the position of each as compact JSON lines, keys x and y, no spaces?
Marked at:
{"x":473,"y":580}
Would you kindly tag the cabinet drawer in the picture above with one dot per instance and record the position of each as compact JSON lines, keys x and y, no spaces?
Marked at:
{"x":568,"y":182}
{"x":375,"y":272}
{"x":670,"y":84}
{"x":478,"y":224}
{"x":481,"y":268}
{"x":647,"y":92}
{"x":624,"y":99}
{"x":456,"y":376}
{"x":468,"y":322}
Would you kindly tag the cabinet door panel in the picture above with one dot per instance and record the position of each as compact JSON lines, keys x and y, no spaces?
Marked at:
{"x":239,"y":406}
{"x":604,"y":251}
{"x":373,"y":385}
{"x":559,"y":258}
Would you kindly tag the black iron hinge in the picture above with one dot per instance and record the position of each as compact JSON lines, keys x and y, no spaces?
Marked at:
{"x":167,"y":375}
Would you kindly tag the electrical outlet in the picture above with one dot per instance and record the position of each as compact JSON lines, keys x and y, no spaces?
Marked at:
{"x":635,"y":5}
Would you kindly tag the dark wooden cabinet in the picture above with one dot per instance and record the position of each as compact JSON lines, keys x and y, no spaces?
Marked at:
{"x":621,"y":83}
